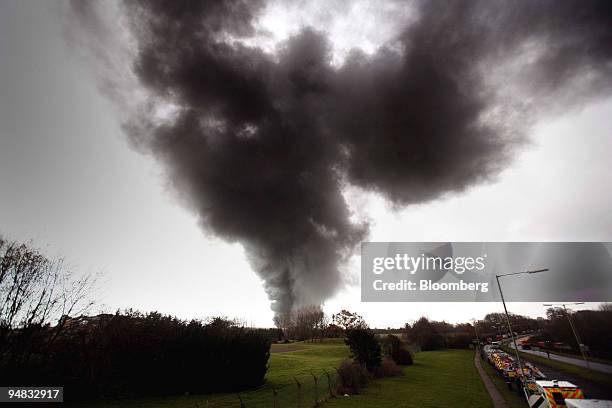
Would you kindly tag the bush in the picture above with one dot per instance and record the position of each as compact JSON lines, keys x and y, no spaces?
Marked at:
{"x":425,"y":334}
{"x":136,"y":355}
{"x":388,"y":368}
{"x":460,"y":341}
{"x":352,"y":377}
{"x":365,"y":349}
{"x":395,"y":350}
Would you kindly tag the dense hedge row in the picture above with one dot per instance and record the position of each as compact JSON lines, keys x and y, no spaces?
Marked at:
{"x":135,"y":355}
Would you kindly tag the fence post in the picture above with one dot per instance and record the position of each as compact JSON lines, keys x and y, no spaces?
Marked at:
{"x":340,"y":375}
{"x":316,"y":391}
{"x":299,"y":393}
{"x":274,"y":398}
{"x":329,"y":384}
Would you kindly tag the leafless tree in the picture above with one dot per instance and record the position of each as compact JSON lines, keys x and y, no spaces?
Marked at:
{"x":306,"y":323}
{"x":322,"y":325}
{"x":346,"y":320}
{"x":35,"y":290}
{"x":284,"y":322}
{"x":605,"y":307}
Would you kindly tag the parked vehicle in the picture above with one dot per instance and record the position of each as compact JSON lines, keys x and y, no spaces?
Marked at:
{"x":552,"y":394}
{"x":541,"y":393}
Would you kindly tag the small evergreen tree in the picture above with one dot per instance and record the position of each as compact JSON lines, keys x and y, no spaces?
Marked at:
{"x":364,"y":347}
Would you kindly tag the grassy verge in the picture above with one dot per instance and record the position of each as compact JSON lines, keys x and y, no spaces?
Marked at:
{"x":445,"y":378}
{"x":298,"y":360}
{"x":513,"y":399}
{"x":579,"y":356}
{"x":595,"y":376}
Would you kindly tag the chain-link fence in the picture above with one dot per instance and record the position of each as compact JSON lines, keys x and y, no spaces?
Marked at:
{"x":306,"y":391}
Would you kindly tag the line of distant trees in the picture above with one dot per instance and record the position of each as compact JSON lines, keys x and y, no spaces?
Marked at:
{"x":496,"y":324}
{"x":430,"y":335}
{"x":311,"y":323}
{"x":593,"y":326}
{"x":433,"y":335}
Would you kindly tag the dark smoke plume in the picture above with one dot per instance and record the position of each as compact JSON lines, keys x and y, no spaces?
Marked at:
{"x":260,"y":146}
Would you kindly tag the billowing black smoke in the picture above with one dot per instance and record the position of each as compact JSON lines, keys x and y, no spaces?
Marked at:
{"x":261,"y":146}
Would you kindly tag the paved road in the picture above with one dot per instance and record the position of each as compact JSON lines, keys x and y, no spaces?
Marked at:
{"x":604,"y":368}
{"x":589,"y":388}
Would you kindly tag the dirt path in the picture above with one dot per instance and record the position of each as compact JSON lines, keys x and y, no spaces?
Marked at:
{"x":496,"y":397}
{"x":282,"y":348}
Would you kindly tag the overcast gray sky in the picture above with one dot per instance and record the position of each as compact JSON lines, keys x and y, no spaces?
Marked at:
{"x":70,"y":182}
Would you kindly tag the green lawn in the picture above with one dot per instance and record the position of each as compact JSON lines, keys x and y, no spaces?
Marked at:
{"x":284,"y":367}
{"x":437,"y":379}
{"x":579,"y":356}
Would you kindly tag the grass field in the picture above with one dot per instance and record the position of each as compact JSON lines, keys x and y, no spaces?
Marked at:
{"x":437,"y":379}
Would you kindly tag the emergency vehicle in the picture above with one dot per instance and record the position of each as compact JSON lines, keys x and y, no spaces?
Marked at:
{"x":552,"y":394}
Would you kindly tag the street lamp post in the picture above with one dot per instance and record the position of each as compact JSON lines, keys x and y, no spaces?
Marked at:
{"x":576,"y":336}
{"x":476,"y":331}
{"x":518,"y":358}
{"x":477,"y":336}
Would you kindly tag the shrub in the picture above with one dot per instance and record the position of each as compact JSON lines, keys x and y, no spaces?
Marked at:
{"x":460,"y":341}
{"x":395,"y":350}
{"x":403,"y":357}
{"x":365,"y":349}
{"x":352,"y":377}
{"x":388,"y":368}
{"x":426,"y":335}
